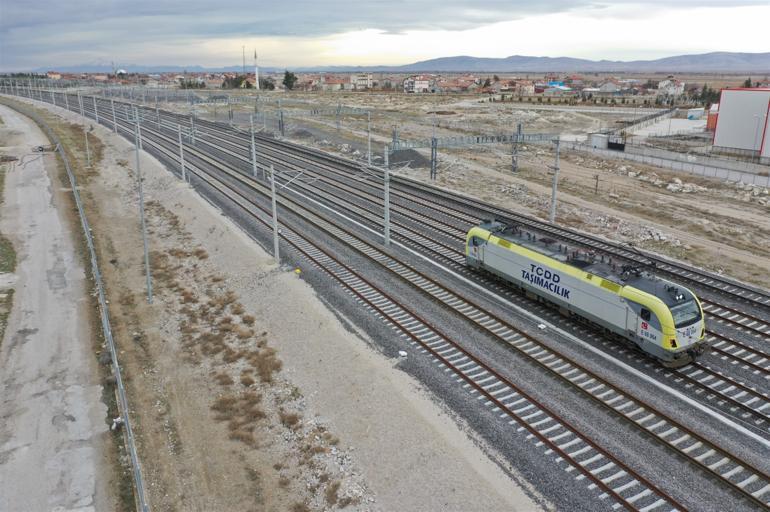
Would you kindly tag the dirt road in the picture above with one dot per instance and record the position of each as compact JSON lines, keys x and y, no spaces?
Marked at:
{"x":52,"y":426}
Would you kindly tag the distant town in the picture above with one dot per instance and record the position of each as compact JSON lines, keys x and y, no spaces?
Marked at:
{"x":549,"y":87}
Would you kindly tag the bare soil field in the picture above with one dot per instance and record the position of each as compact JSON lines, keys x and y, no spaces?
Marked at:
{"x":720,"y":226}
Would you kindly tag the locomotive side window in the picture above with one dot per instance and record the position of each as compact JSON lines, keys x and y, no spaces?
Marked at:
{"x":645,"y":314}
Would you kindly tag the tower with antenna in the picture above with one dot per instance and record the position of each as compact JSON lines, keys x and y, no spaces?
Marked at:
{"x":256,"y":70}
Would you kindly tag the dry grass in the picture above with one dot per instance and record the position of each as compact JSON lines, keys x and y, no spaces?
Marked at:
{"x":331,"y":492}
{"x":247,"y":380}
{"x":201,"y":253}
{"x":223,"y":379}
{"x":266,"y":363}
{"x":237,"y":309}
{"x":289,"y":419}
{"x":242,"y":413}
{"x":188,"y":297}
{"x":248,"y":319}
{"x":284,"y":481}
{"x":300,"y":507}
{"x":243,"y":333}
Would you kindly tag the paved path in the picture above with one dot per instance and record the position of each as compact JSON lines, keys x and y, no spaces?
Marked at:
{"x":51,"y":415}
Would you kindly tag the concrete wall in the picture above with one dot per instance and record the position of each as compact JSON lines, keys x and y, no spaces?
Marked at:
{"x":743,"y":117}
{"x":687,"y":167}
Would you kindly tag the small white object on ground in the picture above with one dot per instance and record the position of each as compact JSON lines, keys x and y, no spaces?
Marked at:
{"x":541,"y":327}
{"x":402,"y":353}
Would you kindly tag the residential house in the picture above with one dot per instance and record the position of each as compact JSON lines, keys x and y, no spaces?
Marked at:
{"x":609,"y":87}
{"x":361,"y":81}
{"x":419,"y":84}
{"x":670,"y":87}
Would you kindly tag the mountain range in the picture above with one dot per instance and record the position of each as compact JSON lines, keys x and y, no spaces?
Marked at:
{"x":715,"y":62}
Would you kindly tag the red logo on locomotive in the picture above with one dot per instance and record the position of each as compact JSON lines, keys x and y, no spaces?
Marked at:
{"x":645,"y":326}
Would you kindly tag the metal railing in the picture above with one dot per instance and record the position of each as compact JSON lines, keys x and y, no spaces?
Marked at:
{"x":103,"y":310}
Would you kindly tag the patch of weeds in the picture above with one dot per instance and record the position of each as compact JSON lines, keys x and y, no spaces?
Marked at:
{"x":7,"y":255}
{"x":266,"y":363}
{"x":241,"y":414}
{"x":300,"y":507}
{"x":248,"y":319}
{"x":243,"y":333}
{"x":223,"y":379}
{"x":289,"y":419}
{"x":331,"y":492}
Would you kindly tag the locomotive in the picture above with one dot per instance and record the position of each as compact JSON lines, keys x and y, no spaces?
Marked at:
{"x":662,"y":318}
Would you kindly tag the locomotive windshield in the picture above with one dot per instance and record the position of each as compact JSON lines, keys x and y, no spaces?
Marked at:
{"x":686,"y":313}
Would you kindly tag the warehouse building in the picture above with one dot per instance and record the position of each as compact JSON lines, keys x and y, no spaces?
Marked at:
{"x":742,"y":126}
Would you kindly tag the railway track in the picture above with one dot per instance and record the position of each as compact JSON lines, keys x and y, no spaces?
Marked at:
{"x":743,"y":320}
{"x":484,"y":380}
{"x":685,"y":441}
{"x":730,"y":394}
{"x":518,"y":408}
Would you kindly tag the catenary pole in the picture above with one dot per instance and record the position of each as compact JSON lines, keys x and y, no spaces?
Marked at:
{"x":369,"y":138}
{"x":552,"y":215}
{"x":181,"y":152}
{"x":253,"y":149}
{"x":386,"y":199}
{"x":137,"y":145}
{"x":275,"y":216}
{"x":114,"y":118}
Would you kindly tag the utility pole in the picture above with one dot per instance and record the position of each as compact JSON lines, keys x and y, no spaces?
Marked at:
{"x":275,"y":216}
{"x":386,"y":156}
{"x":181,"y":152}
{"x":80,"y":102}
{"x":96,"y":112}
{"x":137,"y":145}
{"x":386,"y":199}
{"x":66,"y":100}
{"x":369,"y":137}
{"x":552,"y":215}
{"x":596,"y":188}
{"x":253,"y":149}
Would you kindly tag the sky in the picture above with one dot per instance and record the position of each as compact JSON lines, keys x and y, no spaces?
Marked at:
{"x":46,"y":33}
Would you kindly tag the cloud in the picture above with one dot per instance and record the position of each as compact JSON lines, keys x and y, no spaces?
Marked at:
{"x":46,"y":32}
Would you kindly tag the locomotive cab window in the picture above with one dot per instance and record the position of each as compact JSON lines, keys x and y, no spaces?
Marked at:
{"x":685,"y":314}
{"x":645,"y":315}
{"x":476,"y":241}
